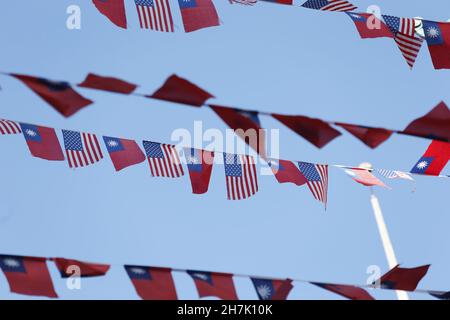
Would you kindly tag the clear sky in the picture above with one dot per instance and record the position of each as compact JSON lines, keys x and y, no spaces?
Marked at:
{"x":269,"y":57}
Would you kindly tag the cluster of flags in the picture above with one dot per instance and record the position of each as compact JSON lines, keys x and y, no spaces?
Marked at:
{"x":30,"y":276}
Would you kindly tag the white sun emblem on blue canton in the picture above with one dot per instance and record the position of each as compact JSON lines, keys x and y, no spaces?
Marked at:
{"x":433,"y":32}
{"x":422,"y":164}
{"x":201,"y":276}
{"x":112,"y":143}
{"x":264,"y":291}
{"x":31,"y":133}
{"x":12,"y":263}
{"x":138,"y":270}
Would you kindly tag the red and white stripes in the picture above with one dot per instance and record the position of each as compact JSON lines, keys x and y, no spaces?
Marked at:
{"x":9,"y":127}
{"x":90,"y":153}
{"x":155,"y":17}
{"x":245,"y":185}
{"x":339,"y":5}
{"x":167,"y":166}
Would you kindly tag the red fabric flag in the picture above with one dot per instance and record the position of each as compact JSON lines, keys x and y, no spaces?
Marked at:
{"x":212,"y":284}
{"x":94,"y":81}
{"x":152,"y":283}
{"x":284,"y":290}
{"x":437,"y":35}
{"x":365,"y":177}
{"x":316,"y":131}
{"x":198,"y":14}
{"x":180,"y":90}
{"x":241,"y":121}
{"x":123,"y":152}
{"x":434,"y":125}
{"x":403,"y":278}
{"x":287,"y":172}
{"x":114,"y":10}
{"x":27,"y":275}
{"x":42,"y":142}
{"x":371,"y":137}
{"x":200,"y":164}
{"x":350,"y":292}
{"x":60,"y":95}
{"x":434,"y":160}
{"x":67,"y":268}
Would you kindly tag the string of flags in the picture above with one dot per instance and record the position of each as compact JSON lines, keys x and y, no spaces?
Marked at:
{"x":64,"y":98}
{"x":408,"y":33}
{"x":30,"y":276}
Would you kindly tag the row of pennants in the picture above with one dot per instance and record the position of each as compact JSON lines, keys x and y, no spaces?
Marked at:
{"x":408,"y":33}
{"x":63,"y":97}
{"x":84,"y":149}
{"x":30,"y":276}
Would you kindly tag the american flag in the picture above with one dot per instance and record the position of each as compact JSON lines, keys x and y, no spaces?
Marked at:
{"x":9,"y":127}
{"x":393,"y":174}
{"x":82,"y":149}
{"x":155,"y":15}
{"x":317,"y":179}
{"x":240,"y":173}
{"x":163,"y":160}
{"x":405,"y":36}
{"x":330,"y":5}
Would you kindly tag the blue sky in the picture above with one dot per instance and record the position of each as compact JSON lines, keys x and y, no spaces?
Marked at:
{"x":269,"y":57}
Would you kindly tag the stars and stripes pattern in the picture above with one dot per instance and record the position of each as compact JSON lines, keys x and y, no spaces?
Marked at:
{"x":330,"y":5}
{"x":245,"y":2}
{"x":163,"y":160}
{"x":393,"y":174}
{"x":82,"y":149}
{"x":317,"y":179}
{"x":155,"y":15}
{"x":241,"y":177}
{"x":9,"y":127}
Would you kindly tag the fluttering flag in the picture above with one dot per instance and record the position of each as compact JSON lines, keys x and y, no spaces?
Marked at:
{"x":9,"y":127}
{"x":286,"y":172}
{"x":405,"y":36}
{"x":434,"y":125}
{"x":434,"y":159}
{"x":316,"y":176}
{"x":200,"y":164}
{"x":123,"y":152}
{"x":60,"y":95}
{"x":179,"y":90}
{"x":69,"y":267}
{"x":245,"y":2}
{"x":371,"y":137}
{"x":440,"y":295}
{"x":395,"y":174}
{"x":94,"y":81}
{"x":289,"y":2}
{"x":241,"y":177}
{"x":152,"y":283}
{"x":155,"y":15}
{"x":369,"y":26}
{"x":364,"y":177}
{"x":82,"y":149}
{"x":316,"y":131}
{"x":403,"y":278}
{"x":198,"y":14}
{"x":350,"y":292}
{"x":163,"y":160}
{"x":268,"y":289}
{"x":246,"y":125}
{"x":437,"y":35}
{"x":42,"y":142}
{"x":330,"y":5}
{"x":114,"y":10}
{"x":214,"y":284}
{"x":27,"y":275}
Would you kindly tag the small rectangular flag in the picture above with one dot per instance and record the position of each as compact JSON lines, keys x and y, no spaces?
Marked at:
{"x":152,"y":283}
{"x":123,"y":152}
{"x":155,"y":15}
{"x":437,"y":35}
{"x":241,"y":177}
{"x":198,"y":14}
{"x":94,"y":81}
{"x":394,"y":174}
{"x":82,"y":149}
{"x":268,"y":289}
{"x":369,"y":26}
{"x":364,"y":177}
{"x":330,"y":5}
{"x":213,"y":284}
{"x":316,"y":176}
{"x":163,"y":160}
{"x":9,"y":127}
{"x":434,"y":159}
{"x":371,"y":137}
{"x":27,"y":275}
{"x":69,"y":267}
{"x":114,"y":10}
{"x":286,"y":172}
{"x":403,"y":278}
{"x":42,"y":142}
{"x":350,"y":292}
{"x":200,"y":164}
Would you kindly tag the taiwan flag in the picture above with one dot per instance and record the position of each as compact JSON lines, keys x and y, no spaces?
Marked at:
{"x":287,"y":172}
{"x":371,"y":137}
{"x":70,"y":267}
{"x":369,"y":26}
{"x":198,"y":14}
{"x":152,"y":283}
{"x":268,"y":289}
{"x":212,"y":284}
{"x":94,"y":81}
{"x":42,"y":142}
{"x":114,"y":10}
{"x":200,"y":164}
{"x":27,"y":275}
{"x":403,"y":278}
{"x":434,"y":159}
{"x":123,"y":152}
{"x":347,"y":291}
{"x":437,"y":35}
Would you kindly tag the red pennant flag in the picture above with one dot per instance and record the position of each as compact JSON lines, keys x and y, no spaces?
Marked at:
{"x":94,"y":81}
{"x":268,"y":289}
{"x":403,"y":278}
{"x":27,"y":275}
{"x":200,"y":164}
{"x":316,"y":131}
{"x":67,"y":268}
{"x":287,"y":172}
{"x":152,"y":283}
{"x":246,"y":125}
{"x":284,"y":290}
{"x":180,"y":90}
{"x":437,"y":35}
{"x":350,"y":292}
{"x":198,"y":14}
{"x":365,"y":177}
{"x":114,"y":10}
{"x":434,"y":160}
{"x":369,"y":26}
{"x":434,"y":125}
{"x":212,"y":284}
{"x":42,"y":142}
{"x":371,"y":137}
{"x":123,"y":152}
